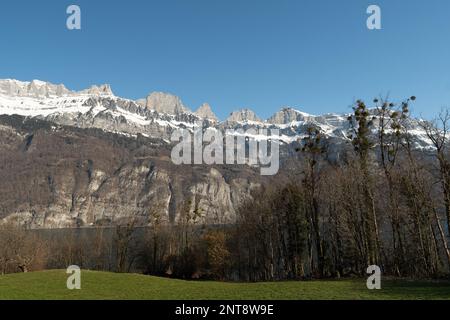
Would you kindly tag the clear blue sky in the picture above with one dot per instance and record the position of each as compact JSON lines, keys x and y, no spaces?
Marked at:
{"x":316,"y":55}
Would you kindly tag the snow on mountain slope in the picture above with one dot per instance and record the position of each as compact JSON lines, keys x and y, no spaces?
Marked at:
{"x":161,"y":113}
{"x":32,"y":107}
{"x":35,"y":88}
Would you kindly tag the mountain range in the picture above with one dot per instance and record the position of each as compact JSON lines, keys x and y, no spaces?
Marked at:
{"x":154,"y":116}
{"x":77,"y":159}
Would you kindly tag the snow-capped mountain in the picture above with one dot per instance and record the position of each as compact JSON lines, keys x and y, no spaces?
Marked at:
{"x":244,"y":115}
{"x":288,"y":115}
{"x":155,"y":116}
{"x":40,"y":89}
{"x":85,"y":158}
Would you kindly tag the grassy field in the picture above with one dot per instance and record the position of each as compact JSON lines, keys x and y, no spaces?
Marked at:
{"x":101,"y":285}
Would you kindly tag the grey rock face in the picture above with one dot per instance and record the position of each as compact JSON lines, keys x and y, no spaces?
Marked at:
{"x":40,"y":89}
{"x":205,"y":112}
{"x":35,"y":89}
{"x":243,"y":115}
{"x":165,"y":103}
{"x":287,"y":115}
{"x":142,"y":102}
{"x":217,"y":200}
{"x":115,"y":179}
{"x":104,"y":89}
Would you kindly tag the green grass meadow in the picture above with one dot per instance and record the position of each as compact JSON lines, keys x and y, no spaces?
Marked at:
{"x":51,"y":285}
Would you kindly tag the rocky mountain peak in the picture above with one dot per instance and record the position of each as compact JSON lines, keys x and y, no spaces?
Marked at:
{"x":103,"y":90}
{"x":287,"y":115}
{"x":41,"y":89}
{"x":243,"y":115}
{"x":165,"y":103}
{"x":97,"y":107}
{"x":205,"y":112}
{"x":35,"y":89}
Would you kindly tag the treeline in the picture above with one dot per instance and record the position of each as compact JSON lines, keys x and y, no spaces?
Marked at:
{"x":384,"y":202}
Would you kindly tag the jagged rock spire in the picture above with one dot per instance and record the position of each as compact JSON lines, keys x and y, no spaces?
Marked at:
{"x":205,"y":112}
